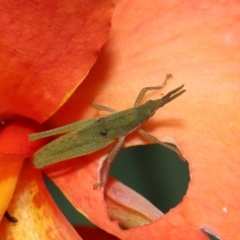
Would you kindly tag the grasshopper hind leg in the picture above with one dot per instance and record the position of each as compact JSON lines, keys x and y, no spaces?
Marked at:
{"x":106,"y":164}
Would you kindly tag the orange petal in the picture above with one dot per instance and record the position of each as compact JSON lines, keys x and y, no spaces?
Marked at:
{"x":9,"y":174}
{"x":199,"y":44}
{"x":80,"y":173}
{"x":37,"y":214}
{"x":129,"y":207}
{"x":47,"y":49}
{"x":14,"y":148}
{"x":76,"y":177}
{"x":14,"y":138}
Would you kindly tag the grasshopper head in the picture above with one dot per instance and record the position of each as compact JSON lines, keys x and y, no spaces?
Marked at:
{"x":151,"y":106}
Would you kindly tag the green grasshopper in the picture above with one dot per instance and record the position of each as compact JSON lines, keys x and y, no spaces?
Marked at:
{"x":89,"y":135}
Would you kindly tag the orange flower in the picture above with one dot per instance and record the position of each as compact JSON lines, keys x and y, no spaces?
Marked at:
{"x":47,"y":49}
{"x":197,"y":42}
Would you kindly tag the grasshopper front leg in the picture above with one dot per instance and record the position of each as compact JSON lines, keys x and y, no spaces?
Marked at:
{"x":103,"y":108}
{"x":144,"y":90}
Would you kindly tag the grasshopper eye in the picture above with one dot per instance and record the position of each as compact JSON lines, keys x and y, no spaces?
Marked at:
{"x":103,"y":133}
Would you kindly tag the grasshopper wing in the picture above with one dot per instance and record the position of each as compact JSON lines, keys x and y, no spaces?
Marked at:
{"x":64,"y":129}
{"x":74,"y":144}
